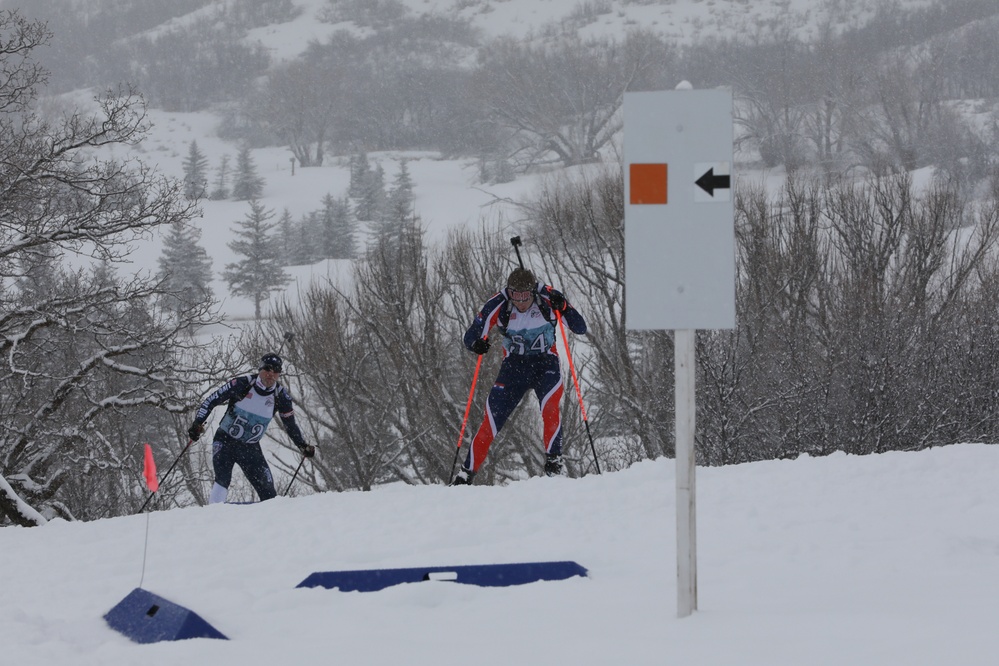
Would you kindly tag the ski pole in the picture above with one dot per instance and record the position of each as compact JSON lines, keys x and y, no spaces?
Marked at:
{"x":293,"y":477}
{"x":165,"y":476}
{"x":575,"y":383}
{"x":515,"y":242}
{"x":288,"y":337}
{"x":468,"y":408}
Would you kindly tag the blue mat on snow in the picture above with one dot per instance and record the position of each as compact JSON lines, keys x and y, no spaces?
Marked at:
{"x":147,"y":618}
{"x":487,"y":575}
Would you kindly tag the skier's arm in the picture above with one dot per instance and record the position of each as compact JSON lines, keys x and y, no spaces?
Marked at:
{"x":558,"y":302}
{"x":220,"y":396}
{"x":484,"y":320}
{"x":574,"y":320}
{"x":286,"y":413}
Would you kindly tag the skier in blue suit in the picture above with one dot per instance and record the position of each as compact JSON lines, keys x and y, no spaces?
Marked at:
{"x":253,"y":401}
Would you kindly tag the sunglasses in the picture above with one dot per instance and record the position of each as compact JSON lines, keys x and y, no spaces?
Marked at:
{"x":520,"y":296}
{"x":271,"y":368}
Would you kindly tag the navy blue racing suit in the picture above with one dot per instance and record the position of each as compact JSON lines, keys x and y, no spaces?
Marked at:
{"x":237,"y":439}
{"x":530,"y":361}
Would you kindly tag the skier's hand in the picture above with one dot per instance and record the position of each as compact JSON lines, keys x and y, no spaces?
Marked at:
{"x":480,"y":346}
{"x":196,"y":431}
{"x":308,"y":450}
{"x":557,"y":300}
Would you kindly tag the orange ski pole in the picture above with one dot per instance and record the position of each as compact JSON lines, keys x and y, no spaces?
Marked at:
{"x":468,"y":408}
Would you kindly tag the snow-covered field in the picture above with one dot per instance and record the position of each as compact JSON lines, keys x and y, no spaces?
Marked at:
{"x":867,"y":561}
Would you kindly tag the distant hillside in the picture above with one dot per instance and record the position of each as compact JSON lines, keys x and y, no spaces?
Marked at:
{"x":507,"y":80}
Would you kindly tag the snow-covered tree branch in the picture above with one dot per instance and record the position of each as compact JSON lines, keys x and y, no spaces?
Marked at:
{"x":89,"y":362}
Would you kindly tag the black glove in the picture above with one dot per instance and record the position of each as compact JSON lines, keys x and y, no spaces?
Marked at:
{"x":558,"y":301}
{"x":196,"y":431}
{"x":480,"y":346}
{"x":308,"y":450}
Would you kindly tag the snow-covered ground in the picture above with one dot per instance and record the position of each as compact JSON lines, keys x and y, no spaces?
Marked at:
{"x":867,"y":561}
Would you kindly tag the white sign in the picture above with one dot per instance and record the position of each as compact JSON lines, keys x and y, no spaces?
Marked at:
{"x":679,"y":233}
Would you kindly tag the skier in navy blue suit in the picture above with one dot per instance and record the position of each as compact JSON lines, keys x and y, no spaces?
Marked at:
{"x":253,"y":401}
{"x":526,"y":314}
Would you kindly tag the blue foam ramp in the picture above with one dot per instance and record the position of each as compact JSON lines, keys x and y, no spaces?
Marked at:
{"x":147,"y":618}
{"x":486,"y":575}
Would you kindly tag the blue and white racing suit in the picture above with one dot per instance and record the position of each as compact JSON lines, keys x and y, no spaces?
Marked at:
{"x":237,"y":439}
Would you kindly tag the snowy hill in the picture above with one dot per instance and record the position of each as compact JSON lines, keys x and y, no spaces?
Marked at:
{"x":886,"y":559}
{"x":448,"y":192}
{"x":683,"y":21}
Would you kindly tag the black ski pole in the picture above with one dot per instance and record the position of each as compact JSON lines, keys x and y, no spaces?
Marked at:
{"x":515,"y":242}
{"x":165,"y":476}
{"x":288,"y":337}
{"x":293,"y":477}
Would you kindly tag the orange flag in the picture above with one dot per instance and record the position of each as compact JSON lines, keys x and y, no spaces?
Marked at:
{"x":149,"y":470}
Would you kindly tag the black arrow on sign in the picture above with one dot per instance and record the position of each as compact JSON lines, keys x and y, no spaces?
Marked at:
{"x":709,"y":182}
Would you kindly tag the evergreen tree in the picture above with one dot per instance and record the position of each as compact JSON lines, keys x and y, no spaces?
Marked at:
{"x":305,"y":249}
{"x":360,"y":171}
{"x":195,"y":173}
{"x":185,"y":270}
{"x":337,"y":226}
{"x":371,"y":201}
{"x":396,"y":212}
{"x":246,"y":184}
{"x":221,"y":190}
{"x":286,"y":237}
{"x":259,"y":272}
{"x":400,"y":198}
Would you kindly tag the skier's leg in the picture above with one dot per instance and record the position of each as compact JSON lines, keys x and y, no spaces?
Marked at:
{"x":218,"y":494}
{"x":222,"y":462}
{"x":257,"y":471}
{"x":506,"y":393}
{"x":549,"y":390}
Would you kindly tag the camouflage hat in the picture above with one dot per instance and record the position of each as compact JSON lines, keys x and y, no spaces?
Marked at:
{"x":521,"y":279}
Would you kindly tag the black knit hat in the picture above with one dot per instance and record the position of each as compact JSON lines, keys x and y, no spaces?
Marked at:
{"x":271,"y":362}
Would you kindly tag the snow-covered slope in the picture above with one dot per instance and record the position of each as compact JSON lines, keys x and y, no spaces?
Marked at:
{"x":868,"y":561}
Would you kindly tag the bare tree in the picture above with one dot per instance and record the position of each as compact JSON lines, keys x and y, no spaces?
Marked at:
{"x":907,"y":125}
{"x":857,"y":304}
{"x":82,"y":348}
{"x":562,"y":100}
{"x":299,"y":105}
{"x":772,"y":96}
{"x":387,"y":373}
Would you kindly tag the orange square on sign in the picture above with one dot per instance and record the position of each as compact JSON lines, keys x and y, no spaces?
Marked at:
{"x":648,"y":183}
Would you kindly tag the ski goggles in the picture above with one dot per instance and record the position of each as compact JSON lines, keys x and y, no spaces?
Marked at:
{"x":520,"y":296}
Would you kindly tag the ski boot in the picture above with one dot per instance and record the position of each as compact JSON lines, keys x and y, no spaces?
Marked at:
{"x":463,"y":477}
{"x":554,"y":466}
